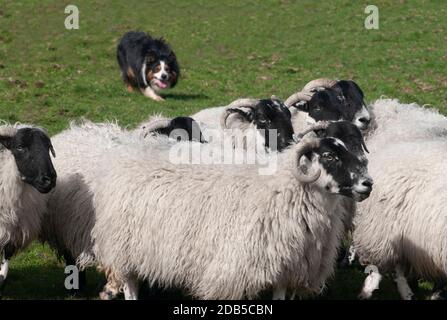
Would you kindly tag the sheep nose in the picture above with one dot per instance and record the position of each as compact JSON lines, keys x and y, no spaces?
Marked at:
{"x":45,"y":181}
{"x":367,"y":184}
{"x":365,"y":121}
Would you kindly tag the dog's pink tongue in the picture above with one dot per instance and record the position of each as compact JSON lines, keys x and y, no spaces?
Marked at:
{"x":162,"y":85}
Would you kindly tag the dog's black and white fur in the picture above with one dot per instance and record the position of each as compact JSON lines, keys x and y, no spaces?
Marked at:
{"x":147,"y":64}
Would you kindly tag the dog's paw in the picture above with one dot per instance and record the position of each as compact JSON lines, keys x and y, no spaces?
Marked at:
{"x":157,"y":98}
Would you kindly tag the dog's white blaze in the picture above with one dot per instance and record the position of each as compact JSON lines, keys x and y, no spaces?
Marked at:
{"x":162,"y":71}
{"x":143,"y":74}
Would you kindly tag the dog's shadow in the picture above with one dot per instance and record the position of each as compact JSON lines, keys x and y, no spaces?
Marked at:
{"x":184,"y":96}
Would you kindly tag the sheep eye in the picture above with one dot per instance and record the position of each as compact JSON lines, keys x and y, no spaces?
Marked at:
{"x":329,"y":157}
{"x":20,"y":149}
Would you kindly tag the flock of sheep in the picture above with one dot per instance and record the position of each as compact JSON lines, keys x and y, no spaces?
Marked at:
{"x":224,"y":231}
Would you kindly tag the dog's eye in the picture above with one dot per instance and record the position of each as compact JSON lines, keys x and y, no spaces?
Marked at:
{"x":20,"y":149}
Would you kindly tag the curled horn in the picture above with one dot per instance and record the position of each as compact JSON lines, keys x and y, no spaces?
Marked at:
{"x":296,"y":97}
{"x":234,"y":107}
{"x":155,"y":125}
{"x":321,"y":125}
{"x":52,"y":151}
{"x":323,"y":82}
{"x":306,"y":146}
{"x":364,"y":145}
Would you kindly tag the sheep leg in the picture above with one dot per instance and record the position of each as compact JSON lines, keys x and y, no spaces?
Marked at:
{"x":402,"y":284}
{"x":4,"y":268}
{"x":112,"y":288}
{"x":131,"y":288}
{"x":351,"y":255}
{"x":371,"y":283}
{"x":439,"y":291}
{"x":279,"y":292}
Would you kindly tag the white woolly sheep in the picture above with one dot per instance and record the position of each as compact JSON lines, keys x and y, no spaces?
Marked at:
{"x":398,"y":228}
{"x":224,"y":231}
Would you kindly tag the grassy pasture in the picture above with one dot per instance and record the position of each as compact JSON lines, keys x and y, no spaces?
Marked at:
{"x":226,"y":49}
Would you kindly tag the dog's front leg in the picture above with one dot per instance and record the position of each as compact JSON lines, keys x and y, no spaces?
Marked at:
{"x":150,"y":93}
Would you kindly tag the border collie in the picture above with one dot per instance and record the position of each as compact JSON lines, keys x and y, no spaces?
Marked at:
{"x":147,"y":64}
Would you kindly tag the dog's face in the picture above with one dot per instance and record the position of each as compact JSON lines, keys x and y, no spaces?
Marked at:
{"x":162,"y":72}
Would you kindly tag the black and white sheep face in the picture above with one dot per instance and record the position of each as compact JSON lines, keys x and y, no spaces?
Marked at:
{"x":182,"y":129}
{"x":350,"y":135}
{"x":355,"y":107}
{"x":272,"y":119}
{"x":341,"y":170}
{"x":30,"y":148}
{"x":325,"y":105}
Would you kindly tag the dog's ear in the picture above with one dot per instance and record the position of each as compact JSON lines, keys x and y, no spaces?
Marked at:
{"x":151,"y":56}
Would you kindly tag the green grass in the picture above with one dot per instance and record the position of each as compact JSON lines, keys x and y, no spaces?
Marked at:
{"x":227,"y":49}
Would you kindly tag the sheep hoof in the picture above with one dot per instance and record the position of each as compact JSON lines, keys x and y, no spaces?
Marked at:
{"x":107,"y":295}
{"x":364,"y":296}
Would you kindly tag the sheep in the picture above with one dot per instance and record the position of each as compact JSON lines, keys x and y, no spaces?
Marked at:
{"x":27,"y":176}
{"x":401,"y":227}
{"x":248,"y":115}
{"x":402,"y":137}
{"x":180,"y":128}
{"x":224,"y":232}
{"x":70,"y":216}
{"x":325,"y":99}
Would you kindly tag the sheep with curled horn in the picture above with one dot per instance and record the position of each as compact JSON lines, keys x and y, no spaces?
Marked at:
{"x":251,"y":117}
{"x":27,"y":176}
{"x":178,"y":128}
{"x":325,"y":99}
{"x":298,"y":201}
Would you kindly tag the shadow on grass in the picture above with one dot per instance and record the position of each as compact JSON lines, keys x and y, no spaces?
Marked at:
{"x":185,"y":96}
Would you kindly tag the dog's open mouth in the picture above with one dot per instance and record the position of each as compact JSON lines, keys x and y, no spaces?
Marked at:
{"x":161,"y":84}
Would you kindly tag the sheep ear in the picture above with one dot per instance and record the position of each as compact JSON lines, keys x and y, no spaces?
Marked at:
{"x":6,"y":141}
{"x":245,"y":113}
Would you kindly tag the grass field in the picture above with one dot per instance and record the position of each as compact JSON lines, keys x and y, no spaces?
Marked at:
{"x":227,"y":49}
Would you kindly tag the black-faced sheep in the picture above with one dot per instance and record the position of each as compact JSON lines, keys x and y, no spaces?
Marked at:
{"x":26,"y":176}
{"x":224,"y":231}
